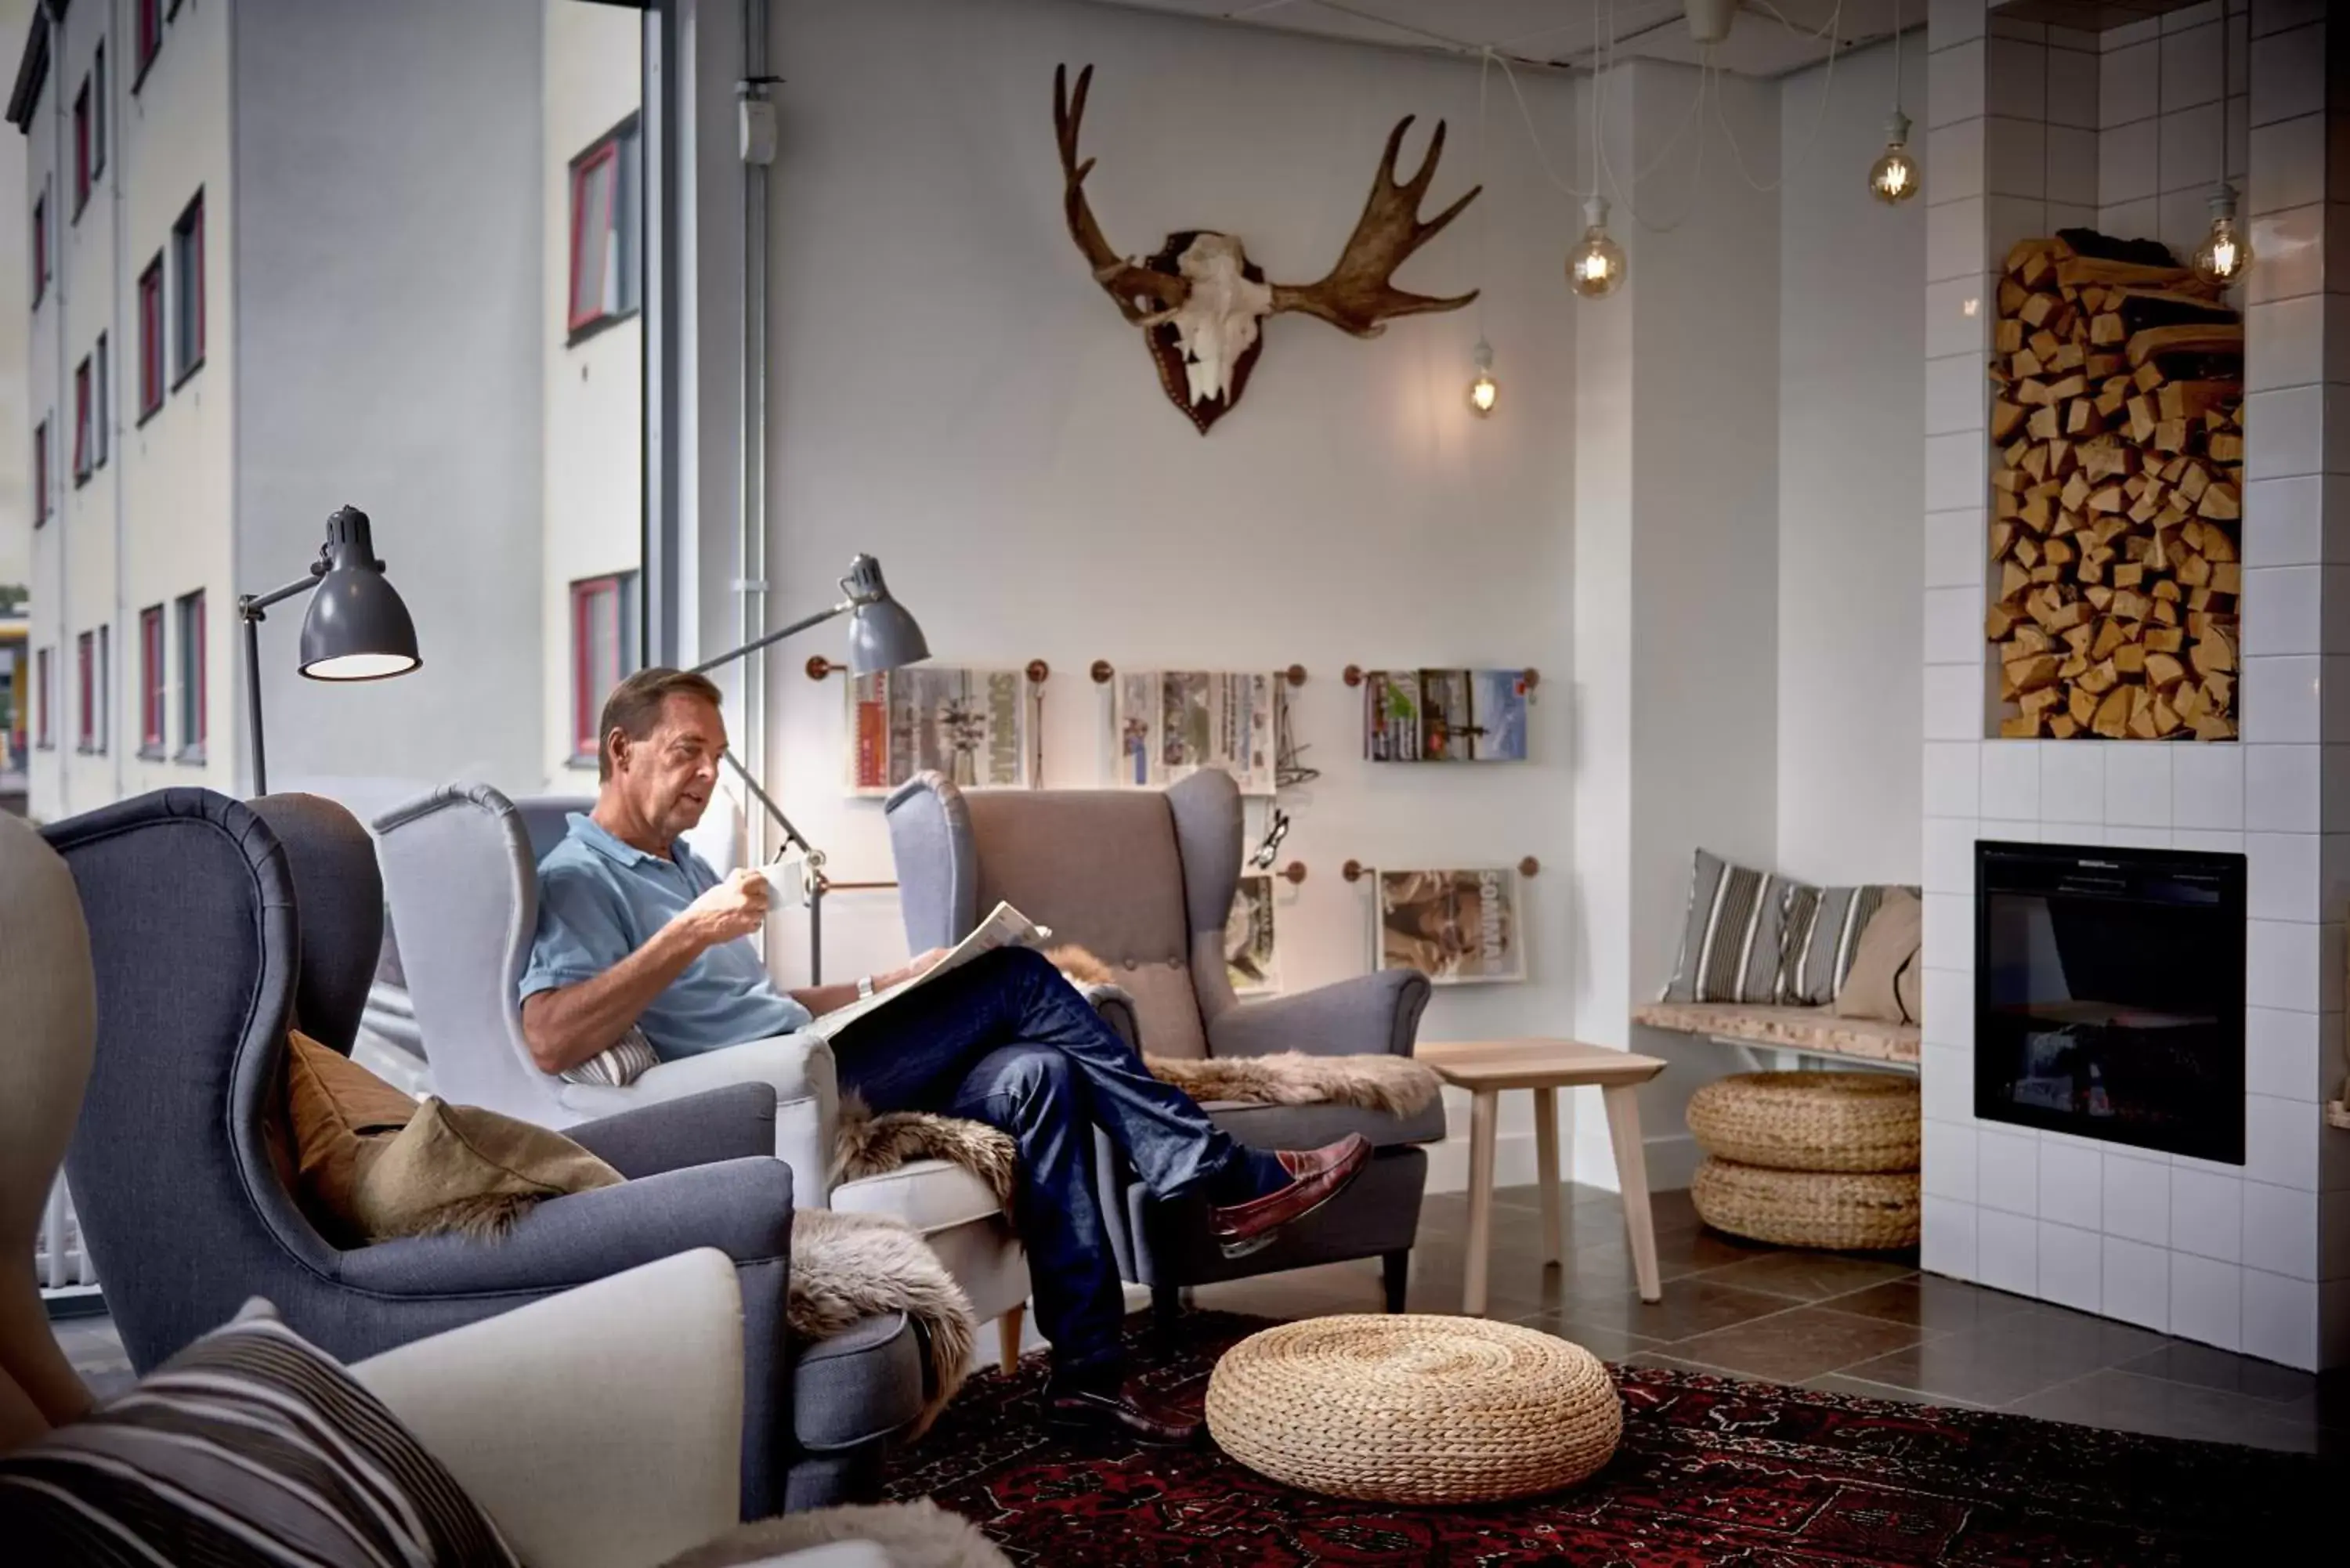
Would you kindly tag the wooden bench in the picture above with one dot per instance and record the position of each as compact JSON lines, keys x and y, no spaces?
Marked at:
{"x":1796,"y":1031}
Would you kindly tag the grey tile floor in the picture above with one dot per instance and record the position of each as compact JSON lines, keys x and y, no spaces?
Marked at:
{"x":1868,"y":1324}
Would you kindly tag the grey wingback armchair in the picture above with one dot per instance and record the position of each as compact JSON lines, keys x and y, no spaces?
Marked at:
{"x":1144,"y":880}
{"x":214,"y":928}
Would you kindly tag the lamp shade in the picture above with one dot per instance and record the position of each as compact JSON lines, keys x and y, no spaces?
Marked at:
{"x":882,"y":633}
{"x":356,"y":628}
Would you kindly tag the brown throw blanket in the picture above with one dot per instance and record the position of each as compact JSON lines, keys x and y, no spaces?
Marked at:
{"x":846,"y":1267}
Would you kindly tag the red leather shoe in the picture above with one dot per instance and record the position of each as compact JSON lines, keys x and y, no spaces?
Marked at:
{"x":1244,"y":1228}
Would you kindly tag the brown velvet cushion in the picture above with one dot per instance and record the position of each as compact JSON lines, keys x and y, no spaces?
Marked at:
{"x":336,"y":1111}
{"x":463,"y":1169}
{"x":1875,"y":986}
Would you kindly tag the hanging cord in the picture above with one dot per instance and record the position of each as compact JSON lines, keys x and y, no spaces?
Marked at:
{"x":1484,"y":212}
{"x":1819,"y":118}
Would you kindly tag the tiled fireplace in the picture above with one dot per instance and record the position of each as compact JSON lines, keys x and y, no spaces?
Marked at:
{"x":2035,"y":128}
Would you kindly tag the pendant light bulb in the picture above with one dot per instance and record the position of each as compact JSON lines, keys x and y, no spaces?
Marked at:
{"x":1596,"y":265}
{"x":1893,"y":178}
{"x":1483,"y":391}
{"x":2225,"y":254}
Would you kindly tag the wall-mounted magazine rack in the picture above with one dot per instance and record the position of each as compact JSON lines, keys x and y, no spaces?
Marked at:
{"x":1104,"y":672}
{"x":1355,"y":871}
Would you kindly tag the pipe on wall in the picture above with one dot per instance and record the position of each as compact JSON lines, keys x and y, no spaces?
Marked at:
{"x":755,"y":119}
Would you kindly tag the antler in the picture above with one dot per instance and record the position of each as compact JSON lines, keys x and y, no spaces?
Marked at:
{"x":1356,"y":297}
{"x":1129,"y":283}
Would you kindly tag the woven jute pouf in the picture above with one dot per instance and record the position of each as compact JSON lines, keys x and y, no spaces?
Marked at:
{"x":1414,"y":1409}
{"x":1838,"y":1211}
{"x":1809,"y":1121}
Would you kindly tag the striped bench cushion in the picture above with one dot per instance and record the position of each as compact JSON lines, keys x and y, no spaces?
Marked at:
{"x":1824,"y":926}
{"x":249,"y":1445}
{"x":1731,"y":937}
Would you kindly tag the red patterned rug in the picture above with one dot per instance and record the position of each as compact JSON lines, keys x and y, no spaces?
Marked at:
{"x":1710,"y":1471}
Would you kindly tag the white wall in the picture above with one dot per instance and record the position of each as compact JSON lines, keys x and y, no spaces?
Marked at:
{"x":16,"y":319}
{"x":1851,"y":395}
{"x":954,"y":395}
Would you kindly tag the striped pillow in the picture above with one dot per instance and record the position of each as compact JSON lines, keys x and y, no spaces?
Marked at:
{"x":1824,"y":928}
{"x":249,"y":1445}
{"x":1731,"y":939}
{"x":617,"y":1066}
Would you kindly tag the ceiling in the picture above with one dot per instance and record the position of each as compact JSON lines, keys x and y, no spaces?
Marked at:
{"x":1559,"y":32}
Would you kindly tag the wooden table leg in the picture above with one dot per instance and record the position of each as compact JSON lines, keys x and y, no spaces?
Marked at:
{"x":1546,"y":1174}
{"x":1481,"y":1113}
{"x":1632,"y":1176}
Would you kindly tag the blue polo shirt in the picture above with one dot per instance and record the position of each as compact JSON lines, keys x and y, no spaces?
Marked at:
{"x":601,"y":899}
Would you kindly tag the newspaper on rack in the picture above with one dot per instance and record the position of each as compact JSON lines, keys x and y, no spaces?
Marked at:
{"x":972,"y":726}
{"x":1004,"y":926}
{"x":1166,"y":725}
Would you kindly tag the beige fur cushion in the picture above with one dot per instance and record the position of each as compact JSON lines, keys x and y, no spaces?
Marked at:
{"x":1883,"y":982}
{"x":463,"y":1169}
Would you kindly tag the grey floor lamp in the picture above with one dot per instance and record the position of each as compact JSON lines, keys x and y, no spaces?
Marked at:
{"x":356,"y":628}
{"x":882,"y":635}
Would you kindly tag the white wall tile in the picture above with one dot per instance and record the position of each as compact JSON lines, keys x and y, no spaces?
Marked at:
{"x":1953,"y":627}
{"x":2073,"y":782}
{"x":2280,"y":1319}
{"x":2190,"y":67}
{"x":1955,"y":401}
{"x":2009,"y":219}
{"x":2136,"y":1285}
{"x":2124,"y":37}
{"x":2281,"y":962}
{"x":2280,"y":699}
{"x":2073,"y":94}
{"x":2137,"y":784}
{"x":2275,"y":15}
{"x":1957,"y":322}
{"x":2281,"y":1141}
{"x":2206,"y":1214}
{"x":2132,"y":836}
{"x":2130,"y":83}
{"x":2284,"y":1055}
{"x":1953,"y":780}
{"x":1954,"y":84}
{"x":2137,"y":1198}
{"x":2010,"y":778}
{"x":2071,"y":161}
{"x":1948,"y":1155}
{"x":2284,"y":343}
{"x":2282,"y":877}
{"x":1956,"y":247}
{"x":2015,"y":79}
{"x":1957,"y":471}
{"x":2125,"y":159}
{"x":1949,"y":1006}
{"x":1954,"y":540}
{"x":2284,"y":432}
{"x":2188,"y":17}
{"x":2007,"y":1171}
{"x":2206,"y":1300}
{"x":2130,"y":220}
{"x":1946,"y":1083}
{"x":1957,"y":156}
{"x":2015,"y":159}
{"x":2288,"y":74}
{"x":2192,"y":152}
{"x":2007,"y":1251}
{"x":2281,"y":1229}
{"x":1950,"y":858}
{"x":2283,"y":610}
{"x":2291,"y":248}
{"x":1947,"y":938}
{"x":2287,"y":164}
{"x":2284,"y":522}
{"x":2282,"y":788}
{"x":2207,"y":840}
{"x":2207,"y":786}
{"x":2072,"y":1271}
{"x":2011,"y":831}
{"x":1947,"y":1242}
{"x":2072,"y":1185}
{"x":1954,"y":701}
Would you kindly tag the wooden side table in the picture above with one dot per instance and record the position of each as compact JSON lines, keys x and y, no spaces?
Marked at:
{"x":1485,"y":1068}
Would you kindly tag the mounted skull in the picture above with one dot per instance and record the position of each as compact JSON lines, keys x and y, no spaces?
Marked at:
{"x":1201,"y":302}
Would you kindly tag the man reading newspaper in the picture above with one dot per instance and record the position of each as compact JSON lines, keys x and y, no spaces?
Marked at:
{"x":636,"y":930}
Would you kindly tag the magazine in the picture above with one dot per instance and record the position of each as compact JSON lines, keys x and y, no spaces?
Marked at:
{"x":1004,"y":926}
{"x":1249,"y":938}
{"x":1456,"y":927}
{"x":1445,"y":715}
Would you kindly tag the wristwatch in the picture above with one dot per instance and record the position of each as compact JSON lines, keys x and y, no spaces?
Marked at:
{"x":863,"y":986}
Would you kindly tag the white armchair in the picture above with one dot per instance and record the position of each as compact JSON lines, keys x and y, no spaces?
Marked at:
{"x":460,"y":870}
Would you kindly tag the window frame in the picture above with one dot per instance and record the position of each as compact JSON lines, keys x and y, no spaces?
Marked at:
{"x":102,"y":405}
{"x":152,"y":714}
{"x":589,"y":687}
{"x":97,"y":107}
{"x":41,"y":244}
{"x":82,"y":171}
{"x":81,"y":423}
{"x":45,"y":686}
{"x":147,"y":38}
{"x":41,"y":472}
{"x":153,"y":385}
{"x":610,"y":155}
{"x":193,"y":719}
{"x":85,"y":656}
{"x":187,"y":321}
{"x":105,"y":686}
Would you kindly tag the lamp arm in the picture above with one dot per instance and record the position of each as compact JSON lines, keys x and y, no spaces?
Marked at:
{"x":252,"y":610}
{"x":793,"y":630}
{"x":250,"y":605}
{"x":793,"y":838}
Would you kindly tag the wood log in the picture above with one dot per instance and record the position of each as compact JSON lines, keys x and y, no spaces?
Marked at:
{"x":2081,"y":272}
{"x":2006,"y":418}
{"x":2104,"y":331}
{"x":2192,"y":400}
{"x":2212,"y":655}
{"x":2227,"y":578}
{"x":2023,"y":727}
{"x":2129,"y":658}
{"x":2044,"y":424}
{"x":2199,"y":338}
{"x":2220,"y":501}
{"x":2146,"y":377}
{"x":2011,"y":295}
{"x":2225,"y":448}
{"x":2080,"y":705}
{"x":2112,"y":719}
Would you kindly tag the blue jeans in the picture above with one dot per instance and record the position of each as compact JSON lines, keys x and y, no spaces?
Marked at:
{"x":1005,"y":1040}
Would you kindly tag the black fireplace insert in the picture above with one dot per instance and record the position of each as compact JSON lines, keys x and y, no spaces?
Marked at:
{"x":2109,"y":994}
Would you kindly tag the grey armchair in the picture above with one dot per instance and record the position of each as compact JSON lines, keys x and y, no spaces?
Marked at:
{"x":1144,"y":880}
{"x":216,"y":927}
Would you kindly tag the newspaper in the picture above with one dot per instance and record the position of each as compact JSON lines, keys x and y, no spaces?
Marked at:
{"x":972,"y":726}
{"x":1249,"y":938}
{"x":1004,"y":926}
{"x":1166,"y":725}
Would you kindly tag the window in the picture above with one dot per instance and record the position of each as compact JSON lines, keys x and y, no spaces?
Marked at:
{"x":606,"y":271}
{"x":603,"y":650}
{"x":82,"y":170}
{"x":97,"y":112}
{"x":85,"y":718}
{"x":105,"y":687}
{"x":81,"y":422}
{"x":192,"y":675}
{"x":150,"y":682}
{"x":101,"y":406}
{"x":45,"y":686}
{"x":149,"y":16}
{"x":41,"y":244}
{"x":151,"y":338}
{"x":188,"y":267}
{"x":41,"y":474}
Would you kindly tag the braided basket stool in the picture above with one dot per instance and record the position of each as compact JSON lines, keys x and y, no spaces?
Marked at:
{"x":1809,"y":1121}
{"x":1838,"y":1211}
{"x":1414,"y":1409}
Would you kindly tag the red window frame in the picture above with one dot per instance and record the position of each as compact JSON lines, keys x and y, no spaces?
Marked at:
{"x":41,"y":472}
{"x":81,"y":422}
{"x":194,"y":723}
{"x":44,"y":684}
{"x":151,"y":337}
{"x":86,"y":657}
{"x":602,"y":162}
{"x":41,"y":246}
{"x":151,"y":679}
{"x":149,"y":32}
{"x":81,"y":148}
{"x":589,"y":686}
{"x":188,"y":260}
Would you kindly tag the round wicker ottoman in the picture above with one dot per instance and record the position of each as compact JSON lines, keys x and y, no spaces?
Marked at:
{"x":1839,"y":1210}
{"x":1414,"y":1409}
{"x":1809,"y":1121}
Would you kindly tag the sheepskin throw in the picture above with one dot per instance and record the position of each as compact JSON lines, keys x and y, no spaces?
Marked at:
{"x":915,"y":1535}
{"x":848,"y":1267}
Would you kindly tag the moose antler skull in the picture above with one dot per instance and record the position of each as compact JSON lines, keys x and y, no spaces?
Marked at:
{"x":1201,"y":302}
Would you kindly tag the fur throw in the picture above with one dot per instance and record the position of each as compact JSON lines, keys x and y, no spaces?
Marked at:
{"x":846,"y":1267}
{"x":914,"y":1534}
{"x":866,"y":1145}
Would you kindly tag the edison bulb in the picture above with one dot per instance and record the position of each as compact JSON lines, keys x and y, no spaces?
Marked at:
{"x":2225,"y":254}
{"x":1893,"y":178}
{"x":1483,"y":391}
{"x":1596,"y":265}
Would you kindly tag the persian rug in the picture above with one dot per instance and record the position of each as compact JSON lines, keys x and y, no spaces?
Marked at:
{"x":1710,"y":1471}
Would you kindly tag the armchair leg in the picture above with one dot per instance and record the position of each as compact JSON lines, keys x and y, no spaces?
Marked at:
{"x":1166,"y":1311}
{"x":1394,"y":1272}
{"x":1007,"y":1329}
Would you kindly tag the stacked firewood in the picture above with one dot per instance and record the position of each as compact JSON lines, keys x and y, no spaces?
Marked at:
{"x":2116,"y":485}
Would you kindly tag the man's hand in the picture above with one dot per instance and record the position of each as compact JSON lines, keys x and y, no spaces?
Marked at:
{"x":921,"y":963}
{"x":734,"y":908}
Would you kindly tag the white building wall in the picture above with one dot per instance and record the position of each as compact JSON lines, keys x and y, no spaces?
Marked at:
{"x":16,"y":332}
{"x":45,"y":767}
